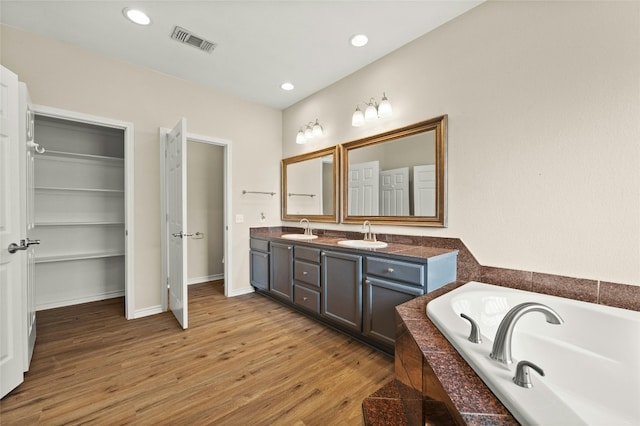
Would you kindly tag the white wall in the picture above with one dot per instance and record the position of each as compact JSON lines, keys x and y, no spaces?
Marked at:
{"x":205,"y":211}
{"x":66,"y":77}
{"x":543,"y":100}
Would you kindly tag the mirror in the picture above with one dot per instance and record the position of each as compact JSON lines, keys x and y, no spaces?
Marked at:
{"x":397,"y":177}
{"x":310,"y":186}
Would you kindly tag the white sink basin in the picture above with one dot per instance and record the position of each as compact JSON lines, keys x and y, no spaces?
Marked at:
{"x":299,"y":237}
{"x":362,"y":244}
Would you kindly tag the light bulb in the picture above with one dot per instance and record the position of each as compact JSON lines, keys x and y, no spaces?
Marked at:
{"x":317,"y":129}
{"x":384,"y":109}
{"x":371,"y":113}
{"x":308,"y":133}
{"x":357,"y":119}
{"x":300,"y":139}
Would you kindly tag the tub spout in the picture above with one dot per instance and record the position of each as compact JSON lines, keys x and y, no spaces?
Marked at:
{"x":501,"y":350}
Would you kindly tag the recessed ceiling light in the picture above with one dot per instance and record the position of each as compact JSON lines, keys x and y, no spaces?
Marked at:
{"x":287,"y":86}
{"x":359,"y":40}
{"x":136,"y":16}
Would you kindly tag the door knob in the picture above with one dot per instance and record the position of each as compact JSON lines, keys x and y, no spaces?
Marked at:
{"x":181,"y":234}
{"x":24,"y":244}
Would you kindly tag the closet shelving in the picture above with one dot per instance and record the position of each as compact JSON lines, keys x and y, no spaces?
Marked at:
{"x":79,"y":212}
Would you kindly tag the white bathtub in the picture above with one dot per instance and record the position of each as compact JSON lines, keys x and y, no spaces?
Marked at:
{"x":591,"y":362}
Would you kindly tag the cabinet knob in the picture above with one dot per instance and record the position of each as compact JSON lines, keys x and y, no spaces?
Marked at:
{"x":389,"y":270}
{"x":304,"y":298}
{"x":288,"y":247}
{"x":304,"y":272}
{"x":367,"y":282}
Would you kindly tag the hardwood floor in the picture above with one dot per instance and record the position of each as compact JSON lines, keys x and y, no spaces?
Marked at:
{"x":244,"y":360}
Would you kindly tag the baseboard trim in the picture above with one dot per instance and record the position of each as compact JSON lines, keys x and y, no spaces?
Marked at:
{"x":199,"y":280}
{"x":240,"y":291}
{"x":145,"y":312}
{"x":80,"y":300}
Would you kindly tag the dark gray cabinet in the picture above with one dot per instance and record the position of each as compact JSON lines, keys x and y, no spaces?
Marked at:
{"x":282,"y":270}
{"x":342,"y":289}
{"x":355,"y":291}
{"x":306,"y":287}
{"x":259,"y":260}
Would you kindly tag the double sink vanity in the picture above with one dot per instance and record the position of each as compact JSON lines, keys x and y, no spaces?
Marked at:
{"x":345,"y":283}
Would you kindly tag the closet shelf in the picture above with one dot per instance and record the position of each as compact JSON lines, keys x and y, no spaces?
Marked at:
{"x":97,"y":223}
{"x":64,"y":189}
{"x":78,"y":256}
{"x":70,"y":155}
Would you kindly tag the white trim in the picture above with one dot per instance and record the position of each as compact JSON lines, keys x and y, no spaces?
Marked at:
{"x":129,"y":205}
{"x":145,"y":312}
{"x":80,"y":300}
{"x":163,"y":222}
{"x":199,"y":280}
{"x":240,"y":291}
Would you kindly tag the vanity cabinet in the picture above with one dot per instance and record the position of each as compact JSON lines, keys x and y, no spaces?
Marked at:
{"x":281,"y":283}
{"x":387,"y":284}
{"x":259,"y":260}
{"x":355,"y":291}
{"x":342,"y":289}
{"x":307,"y":286}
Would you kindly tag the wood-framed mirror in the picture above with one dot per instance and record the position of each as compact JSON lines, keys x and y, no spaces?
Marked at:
{"x":310,"y":186}
{"x":397,"y":177}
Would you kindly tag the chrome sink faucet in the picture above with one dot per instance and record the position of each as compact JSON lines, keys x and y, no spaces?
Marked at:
{"x":368,"y":235}
{"x":501,"y":350}
{"x":307,"y":229}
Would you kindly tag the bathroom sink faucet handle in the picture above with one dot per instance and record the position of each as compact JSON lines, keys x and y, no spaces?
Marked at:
{"x":523,"y":373}
{"x":474,"y":336}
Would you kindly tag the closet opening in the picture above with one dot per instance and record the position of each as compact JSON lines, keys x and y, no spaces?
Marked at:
{"x":82,"y":209}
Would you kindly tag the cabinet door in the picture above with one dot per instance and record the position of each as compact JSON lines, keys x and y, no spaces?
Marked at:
{"x":342,"y":289}
{"x":282,"y":270}
{"x":381,"y":298}
{"x":260,"y":270}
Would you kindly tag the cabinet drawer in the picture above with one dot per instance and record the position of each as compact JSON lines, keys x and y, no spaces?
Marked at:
{"x":308,"y":253}
{"x":306,"y":298}
{"x":261,"y":245}
{"x":307,"y":273}
{"x":411,"y":273}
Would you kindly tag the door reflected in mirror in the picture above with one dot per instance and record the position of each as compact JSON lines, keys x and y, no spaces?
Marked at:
{"x":310,"y":186}
{"x":397,"y":177}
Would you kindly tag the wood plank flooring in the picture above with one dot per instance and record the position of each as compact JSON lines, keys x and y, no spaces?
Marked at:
{"x":245,"y":360}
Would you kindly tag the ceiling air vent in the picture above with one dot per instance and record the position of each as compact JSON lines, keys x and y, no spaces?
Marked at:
{"x":187,"y":37}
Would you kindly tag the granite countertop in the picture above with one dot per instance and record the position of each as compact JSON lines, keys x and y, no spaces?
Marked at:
{"x":331,"y":240}
{"x":470,"y":396}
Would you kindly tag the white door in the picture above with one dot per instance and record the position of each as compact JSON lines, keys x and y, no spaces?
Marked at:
{"x":394,"y":192}
{"x":11,"y":264}
{"x":176,"y":175}
{"x":363,"y":193}
{"x":424,"y":190}
{"x":27,"y":163}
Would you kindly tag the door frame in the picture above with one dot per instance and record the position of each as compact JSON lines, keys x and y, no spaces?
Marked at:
{"x":127,"y":127}
{"x":228,"y":264}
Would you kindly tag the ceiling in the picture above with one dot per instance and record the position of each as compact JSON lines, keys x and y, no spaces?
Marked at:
{"x":260,"y":44}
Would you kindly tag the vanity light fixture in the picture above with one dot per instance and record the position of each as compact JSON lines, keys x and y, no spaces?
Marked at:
{"x":372,"y":112}
{"x":136,"y":16}
{"x":308,"y":132}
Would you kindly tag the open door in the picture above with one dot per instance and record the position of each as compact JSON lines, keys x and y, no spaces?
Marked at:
{"x":28,"y":149}
{"x":12,"y":255}
{"x":176,"y":182}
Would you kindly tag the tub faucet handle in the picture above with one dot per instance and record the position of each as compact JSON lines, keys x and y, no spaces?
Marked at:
{"x":474,"y":336}
{"x":523,"y":373}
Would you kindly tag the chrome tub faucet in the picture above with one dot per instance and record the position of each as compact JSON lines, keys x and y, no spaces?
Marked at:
{"x":501,"y":350}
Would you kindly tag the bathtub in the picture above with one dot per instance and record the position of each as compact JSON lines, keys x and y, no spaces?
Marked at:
{"x":591,"y":362}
